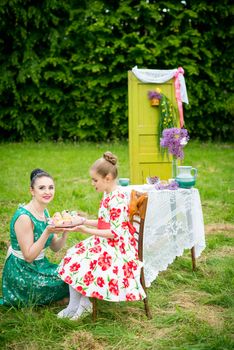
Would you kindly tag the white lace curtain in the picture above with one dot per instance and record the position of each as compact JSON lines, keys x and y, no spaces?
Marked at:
{"x":161,"y":76}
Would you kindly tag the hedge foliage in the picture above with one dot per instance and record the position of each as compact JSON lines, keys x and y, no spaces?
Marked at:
{"x":64,"y":64}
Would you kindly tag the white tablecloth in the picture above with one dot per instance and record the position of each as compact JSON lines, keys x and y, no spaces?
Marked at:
{"x":174,"y":222}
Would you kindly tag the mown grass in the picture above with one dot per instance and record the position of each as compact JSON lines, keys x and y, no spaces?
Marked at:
{"x":191,"y":310}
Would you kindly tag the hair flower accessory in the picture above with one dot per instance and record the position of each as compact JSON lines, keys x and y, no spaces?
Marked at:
{"x":175,"y":139}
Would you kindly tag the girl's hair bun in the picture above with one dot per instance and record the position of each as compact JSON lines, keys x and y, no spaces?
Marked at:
{"x":110,"y":157}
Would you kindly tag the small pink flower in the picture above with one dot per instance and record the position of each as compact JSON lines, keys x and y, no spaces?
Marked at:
{"x":96,"y":249}
{"x":79,"y":245}
{"x":126,"y":283}
{"x":115,"y":270}
{"x":68,"y":280}
{"x":66,"y":260}
{"x":104,"y":261}
{"x":92,"y":264}
{"x":130,"y":297}
{"x":100,"y":282}
{"x":88,"y":278}
{"x":113,"y":286}
{"x":115,"y":213}
{"x":113,"y":241}
{"x":96,"y":295}
{"x":80,"y":250}
{"x":80,"y":290}
{"x":74,"y":267}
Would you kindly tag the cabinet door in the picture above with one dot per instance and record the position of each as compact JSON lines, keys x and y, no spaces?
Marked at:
{"x":144,"y":153}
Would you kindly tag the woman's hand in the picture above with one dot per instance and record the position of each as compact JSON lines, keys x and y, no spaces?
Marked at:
{"x":52,"y":229}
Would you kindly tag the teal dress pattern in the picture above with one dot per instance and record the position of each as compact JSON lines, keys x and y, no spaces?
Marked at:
{"x":35,"y":283}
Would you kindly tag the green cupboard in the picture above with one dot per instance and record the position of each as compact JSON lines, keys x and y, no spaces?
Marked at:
{"x":144,"y":154}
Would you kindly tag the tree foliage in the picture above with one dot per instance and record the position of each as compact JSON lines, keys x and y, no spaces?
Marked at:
{"x":64,"y":64}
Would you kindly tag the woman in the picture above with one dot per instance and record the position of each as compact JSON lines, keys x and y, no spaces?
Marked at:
{"x":105,"y":265}
{"x":28,"y":276}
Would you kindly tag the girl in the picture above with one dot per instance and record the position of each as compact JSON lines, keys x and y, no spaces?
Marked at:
{"x":105,"y":265}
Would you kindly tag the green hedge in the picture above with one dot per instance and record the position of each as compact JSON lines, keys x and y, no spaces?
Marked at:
{"x":64,"y":64}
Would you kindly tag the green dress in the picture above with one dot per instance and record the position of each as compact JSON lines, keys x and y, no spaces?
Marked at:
{"x":35,"y":283}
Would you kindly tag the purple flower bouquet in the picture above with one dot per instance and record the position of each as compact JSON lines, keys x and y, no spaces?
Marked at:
{"x":175,"y":139}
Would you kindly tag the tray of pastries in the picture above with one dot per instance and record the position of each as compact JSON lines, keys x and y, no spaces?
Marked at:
{"x":65,"y":219}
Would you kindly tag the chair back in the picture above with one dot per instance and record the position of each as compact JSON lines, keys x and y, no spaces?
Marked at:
{"x":137,"y":211}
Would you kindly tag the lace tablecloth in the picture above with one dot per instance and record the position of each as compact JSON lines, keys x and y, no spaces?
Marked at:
{"x":174,"y":222}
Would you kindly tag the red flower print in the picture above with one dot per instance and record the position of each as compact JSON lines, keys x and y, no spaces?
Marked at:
{"x":68,"y":280}
{"x":113,"y":241}
{"x":113,"y":286}
{"x":130,"y":297}
{"x":126,"y":283}
{"x":132,"y":265}
{"x":121,"y":195}
{"x":105,"y":261}
{"x":96,"y":295}
{"x":132,"y":241}
{"x":79,"y":245}
{"x":61,"y":272}
{"x":132,"y":229}
{"x":100,"y":282}
{"x":115,"y":213}
{"x":115,"y":234}
{"x":66,"y":261}
{"x":96,"y":249}
{"x":80,"y":250}
{"x":122,"y":248}
{"x":96,"y":240}
{"x":80,"y":290}
{"x":115,"y":270}
{"x":88,"y":278}
{"x":129,"y":226}
{"x":127,"y":271}
{"x":105,"y":202}
{"x":92,"y":264}
{"x":74,"y":267}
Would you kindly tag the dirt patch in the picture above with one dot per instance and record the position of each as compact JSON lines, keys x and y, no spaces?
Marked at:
{"x":81,"y":340}
{"x":214,"y":228}
{"x":190,"y":300}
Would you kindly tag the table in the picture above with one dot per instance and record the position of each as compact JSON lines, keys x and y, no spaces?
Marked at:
{"x":173,"y":223}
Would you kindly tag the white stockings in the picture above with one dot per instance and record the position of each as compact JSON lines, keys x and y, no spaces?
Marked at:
{"x":78,"y":305}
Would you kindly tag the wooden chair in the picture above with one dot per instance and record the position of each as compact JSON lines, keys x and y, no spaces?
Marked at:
{"x":137,"y":208}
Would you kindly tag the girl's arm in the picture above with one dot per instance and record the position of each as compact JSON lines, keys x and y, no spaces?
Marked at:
{"x":92,"y":231}
{"x":24,"y":233}
{"x":88,"y":222}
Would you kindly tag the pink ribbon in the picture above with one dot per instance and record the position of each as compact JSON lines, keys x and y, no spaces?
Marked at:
{"x":178,"y":95}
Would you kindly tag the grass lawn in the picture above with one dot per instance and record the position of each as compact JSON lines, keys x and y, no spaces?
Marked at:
{"x":191,"y":310}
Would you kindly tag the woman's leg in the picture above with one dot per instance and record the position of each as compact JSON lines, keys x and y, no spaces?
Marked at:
{"x":73,"y":305}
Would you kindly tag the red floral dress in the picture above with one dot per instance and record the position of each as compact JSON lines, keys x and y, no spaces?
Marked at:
{"x":106,"y":268}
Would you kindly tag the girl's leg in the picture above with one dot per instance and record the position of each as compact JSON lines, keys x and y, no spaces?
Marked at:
{"x":85,"y":306}
{"x":73,"y":305}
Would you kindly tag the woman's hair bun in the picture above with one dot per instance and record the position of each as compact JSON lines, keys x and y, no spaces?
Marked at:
{"x":110,"y":157}
{"x":35,"y":172}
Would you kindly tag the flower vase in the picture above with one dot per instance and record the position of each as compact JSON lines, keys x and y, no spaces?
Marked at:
{"x":154,"y":102}
{"x":174,"y":167}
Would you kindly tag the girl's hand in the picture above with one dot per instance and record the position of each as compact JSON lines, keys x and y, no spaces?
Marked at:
{"x":79,"y":228}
